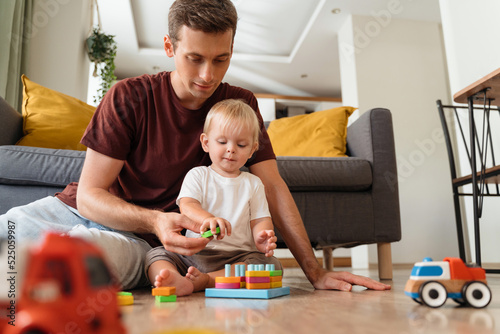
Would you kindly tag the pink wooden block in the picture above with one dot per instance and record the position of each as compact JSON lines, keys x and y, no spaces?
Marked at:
{"x":258,"y":279}
{"x":227,"y":285}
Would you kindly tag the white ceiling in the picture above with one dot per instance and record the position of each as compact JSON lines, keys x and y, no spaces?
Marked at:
{"x":286,"y":47}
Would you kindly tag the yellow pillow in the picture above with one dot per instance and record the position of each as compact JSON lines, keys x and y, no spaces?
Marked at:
{"x":52,"y":119}
{"x":320,"y":134}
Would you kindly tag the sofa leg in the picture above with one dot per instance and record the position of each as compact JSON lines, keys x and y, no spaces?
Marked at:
{"x":384,"y":260}
{"x":328,"y":258}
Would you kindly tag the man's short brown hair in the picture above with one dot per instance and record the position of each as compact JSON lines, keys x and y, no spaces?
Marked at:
{"x":210,"y":16}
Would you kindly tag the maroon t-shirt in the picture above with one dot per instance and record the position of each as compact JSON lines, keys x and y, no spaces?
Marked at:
{"x":141,"y":121}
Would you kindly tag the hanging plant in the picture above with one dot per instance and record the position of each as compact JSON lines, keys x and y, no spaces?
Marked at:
{"x":101,"y":49}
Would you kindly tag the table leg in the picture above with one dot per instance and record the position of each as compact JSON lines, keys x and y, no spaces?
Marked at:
{"x":475,"y":196}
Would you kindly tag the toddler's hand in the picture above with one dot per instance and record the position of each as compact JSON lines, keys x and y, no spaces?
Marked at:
{"x":211,"y":223}
{"x":266,"y":242}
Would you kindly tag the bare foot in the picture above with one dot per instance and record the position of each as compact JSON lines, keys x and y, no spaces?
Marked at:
{"x":183,"y":285}
{"x":200,"y":280}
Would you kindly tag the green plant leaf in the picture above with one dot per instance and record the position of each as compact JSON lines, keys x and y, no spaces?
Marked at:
{"x":101,"y":49}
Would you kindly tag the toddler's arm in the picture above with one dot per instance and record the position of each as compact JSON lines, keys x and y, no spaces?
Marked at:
{"x":193,"y":210}
{"x":263,"y":235}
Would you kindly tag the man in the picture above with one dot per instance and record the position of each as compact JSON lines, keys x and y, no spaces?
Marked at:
{"x":144,"y":138}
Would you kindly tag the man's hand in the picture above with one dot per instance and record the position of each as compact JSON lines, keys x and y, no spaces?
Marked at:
{"x":211,"y":223}
{"x":168,"y":229}
{"x":343,"y":281}
{"x":265,"y":241}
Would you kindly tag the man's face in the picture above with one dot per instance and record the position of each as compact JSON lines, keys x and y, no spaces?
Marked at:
{"x":201,"y":61}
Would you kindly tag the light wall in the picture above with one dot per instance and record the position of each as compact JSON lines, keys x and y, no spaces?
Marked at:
{"x":471,"y":40}
{"x":400,"y":65}
{"x":57,"y":57}
{"x":472,"y":49}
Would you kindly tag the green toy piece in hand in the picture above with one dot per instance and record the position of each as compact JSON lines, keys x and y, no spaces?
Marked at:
{"x":209,"y":233}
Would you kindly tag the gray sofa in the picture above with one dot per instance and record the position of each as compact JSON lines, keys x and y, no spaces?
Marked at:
{"x":344,"y":202}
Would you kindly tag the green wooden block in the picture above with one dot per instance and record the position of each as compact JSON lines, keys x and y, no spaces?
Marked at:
{"x":276,"y":273}
{"x":165,"y":299}
{"x":209,"y":234}
{"x":124,"y":293}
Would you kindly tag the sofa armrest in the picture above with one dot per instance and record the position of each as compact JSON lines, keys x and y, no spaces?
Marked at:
{"x":11,"y":126}
{"x":372,"y":137}
{"x":360,"y":134}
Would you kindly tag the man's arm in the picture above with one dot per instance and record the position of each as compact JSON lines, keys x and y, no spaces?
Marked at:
{"x":287,"y":220}
{"x":96,"y":203}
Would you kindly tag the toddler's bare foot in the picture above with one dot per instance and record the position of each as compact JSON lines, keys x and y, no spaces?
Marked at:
{"x":183,"y":285}
{"x":200,"y":280}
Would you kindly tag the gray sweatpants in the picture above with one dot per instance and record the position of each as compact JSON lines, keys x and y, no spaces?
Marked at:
{"x":123,"y":251}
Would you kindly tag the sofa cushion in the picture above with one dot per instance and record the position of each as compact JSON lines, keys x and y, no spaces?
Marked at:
{"x":320,"y":134}
{"x":21,"y":165}
{"x":325,"y":174}
{"x":53,"y":119}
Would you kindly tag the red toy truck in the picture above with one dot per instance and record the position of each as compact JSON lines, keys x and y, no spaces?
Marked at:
{"x":432,"y":282}
{"x":67,"y":289}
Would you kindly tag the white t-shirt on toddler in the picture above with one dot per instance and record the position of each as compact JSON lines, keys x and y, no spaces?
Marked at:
{"x":238,"y":200}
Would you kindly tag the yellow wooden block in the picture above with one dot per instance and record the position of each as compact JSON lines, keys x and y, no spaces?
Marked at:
{"x":258,"y":286}
{"x":163,"y":291}
{"x":125,"y":300}
{"x":276,"y":279}
{"x":275,"y":285}
{"x":232,"y":279}
{"x":260,"y":273}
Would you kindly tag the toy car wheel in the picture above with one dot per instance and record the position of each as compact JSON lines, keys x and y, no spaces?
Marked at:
{"x":417,"y":300}
{"x":459,"y":301}
{"x":433,"y":294}
{"x":477,"y":294}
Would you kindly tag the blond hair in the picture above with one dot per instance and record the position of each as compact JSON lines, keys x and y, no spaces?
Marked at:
{"x":234,"y":115}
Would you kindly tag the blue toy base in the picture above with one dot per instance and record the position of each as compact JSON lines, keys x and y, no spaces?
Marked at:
{"x":247,"y":293}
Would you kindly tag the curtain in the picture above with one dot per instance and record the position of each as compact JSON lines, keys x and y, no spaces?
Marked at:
{"x":15,"y":33}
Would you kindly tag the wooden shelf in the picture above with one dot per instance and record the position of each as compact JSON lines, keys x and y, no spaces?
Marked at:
{"x":298,"y":98}
{"x":275,"y":106}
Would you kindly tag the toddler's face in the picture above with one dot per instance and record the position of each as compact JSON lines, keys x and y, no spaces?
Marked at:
{"x":229,"y":150}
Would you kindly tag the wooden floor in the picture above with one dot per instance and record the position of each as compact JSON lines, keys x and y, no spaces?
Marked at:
{"x":310,"y":311}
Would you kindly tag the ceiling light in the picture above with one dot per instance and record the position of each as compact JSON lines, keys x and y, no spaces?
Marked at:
{"x":336,"y":11}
